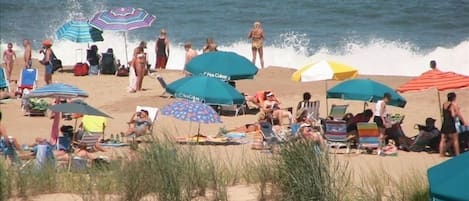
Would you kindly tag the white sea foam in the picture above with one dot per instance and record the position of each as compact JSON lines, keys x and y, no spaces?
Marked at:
{"x":377,"y":57}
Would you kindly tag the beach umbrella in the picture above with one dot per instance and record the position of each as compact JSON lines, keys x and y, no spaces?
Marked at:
{"x":448,"y":180}
{"x":324,"y":70}
{"x":79,"y":31}
{"x":122,"y":19}
{"x":78,"y":107}
{"x":57,"y":91}
{"x":365,"y":90}
{"x":193,"y":112}
{"x":222,"y":65}
{"x":435,"y":79}
{"x":205,"y":89}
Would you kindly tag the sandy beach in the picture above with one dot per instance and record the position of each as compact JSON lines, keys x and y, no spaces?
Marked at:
{"x":109,"y":94}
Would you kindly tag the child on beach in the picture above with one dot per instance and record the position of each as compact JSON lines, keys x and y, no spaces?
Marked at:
{"x":9,"y":57}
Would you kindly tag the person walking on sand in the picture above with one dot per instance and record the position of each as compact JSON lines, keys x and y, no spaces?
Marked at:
{"x":210,"y":46}
{"x":27,"y":53}
{"x":9,"y":57}
{"x":257,"y":37}
{"x":449,"y":133}
{"x":162,"y":50}
{"x":380,"y":116}
{"x":47,"y":60}
{"x":190,"y":53}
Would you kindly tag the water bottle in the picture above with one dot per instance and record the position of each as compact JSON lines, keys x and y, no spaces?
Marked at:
{"x":112,"y":138}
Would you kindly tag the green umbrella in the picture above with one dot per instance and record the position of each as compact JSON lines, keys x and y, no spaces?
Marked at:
{"x":449,"y":180}
{"x":205,"y":89}
{"x":222,"y":65}
{"x":365,"y":90}
{"x":79,"y":107}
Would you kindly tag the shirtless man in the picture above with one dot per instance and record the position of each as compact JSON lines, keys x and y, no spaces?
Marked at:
{"x":9,"y":57}
{"x":190,"y":53}
{"x":27,"y":53}
{"x":257,"y":36}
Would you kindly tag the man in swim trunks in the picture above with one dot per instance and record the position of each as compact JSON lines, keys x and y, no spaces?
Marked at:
{"x":27,"y":53}
{"x":257,"y":36}
{"x":9,"y":57}
{"x":162,"y":50}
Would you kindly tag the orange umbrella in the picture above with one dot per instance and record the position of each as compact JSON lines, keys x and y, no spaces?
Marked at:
{"x":436,"y":79}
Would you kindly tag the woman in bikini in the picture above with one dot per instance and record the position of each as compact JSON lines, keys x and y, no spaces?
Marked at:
{"x":140,"y":67}
{"x":9,"y":57}
{"x":257,"y":36}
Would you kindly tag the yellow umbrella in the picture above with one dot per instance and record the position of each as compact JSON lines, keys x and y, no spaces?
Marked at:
{"x":324,"y":70}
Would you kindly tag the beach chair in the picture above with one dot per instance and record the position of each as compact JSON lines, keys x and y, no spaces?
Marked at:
{"x":153,"y":114}
{"x":4,"y":84}
{"x":336,"y":135}
{"x":338,"y":111}
{"x":28,"y":80}
{"x":236,"y":108}
{"x":368,"y":136}
{"x":89,"y":140}
{"x":162,"y":82}
{"x":108,"y":64}
{"x":268,"y":134}
{"x":313,"y":109}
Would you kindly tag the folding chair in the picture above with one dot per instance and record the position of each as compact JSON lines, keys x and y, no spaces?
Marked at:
{"x":368,"y":136}
{"x":236,"y":108}
{"x":313,"y":109}
{"x":336,"y":135}
{"x":4,"y":84}
{"x":268,"y":133}
{"x":152,"y":114}
{"x":161,"y":81}
{"x":28,"y":80}
{"x":88,"y":140}
{"x":338,"y":111}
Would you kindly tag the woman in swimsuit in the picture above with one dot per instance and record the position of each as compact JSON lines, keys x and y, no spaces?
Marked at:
{"x":47,"y":60}
{"x":210,"y":46}
{"x":140,"y":67}
{"x":448,"y":128}
{"x":139,"y":123}
{"x":257,"y":36}
{"x":9,"y":57}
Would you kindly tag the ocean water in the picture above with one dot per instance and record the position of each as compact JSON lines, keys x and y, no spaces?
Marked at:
{"x":377,"y":37}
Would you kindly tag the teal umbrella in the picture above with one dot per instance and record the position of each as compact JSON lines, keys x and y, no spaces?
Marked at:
{"x":365,"y":90}
{"x":449,"y":180}
{"x":79,"y":107}
{"x":205,"y":89}
{"x":222,"y":65}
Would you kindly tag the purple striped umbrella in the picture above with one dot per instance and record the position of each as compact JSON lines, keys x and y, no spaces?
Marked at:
{"x":122,"y":19}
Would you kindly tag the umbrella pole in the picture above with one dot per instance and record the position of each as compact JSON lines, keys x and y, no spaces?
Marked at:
{"x":327,"y":101}
{"x":439,"y":105}
{"x":125,"y":47}
{"x":198,"y":133}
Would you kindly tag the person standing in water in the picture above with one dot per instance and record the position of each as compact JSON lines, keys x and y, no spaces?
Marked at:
{"x":257,"y":37}
{"x":190,"y":53}
{"x":9,"y":57}
{"x":162,"y":50}
{"x":27,"y":53}
{"x":449,"y":133}
{"x":47,"y":60}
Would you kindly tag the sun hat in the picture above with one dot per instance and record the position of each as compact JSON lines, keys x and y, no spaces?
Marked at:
{"x":47,"y":42}
{"x":270,"y":94}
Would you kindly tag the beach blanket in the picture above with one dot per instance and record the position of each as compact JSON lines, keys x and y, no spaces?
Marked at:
{"x":114,"y":144}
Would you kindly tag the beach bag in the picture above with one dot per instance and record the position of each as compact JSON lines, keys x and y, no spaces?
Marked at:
{"x":80,"y":69}
{"x":123,"y":72}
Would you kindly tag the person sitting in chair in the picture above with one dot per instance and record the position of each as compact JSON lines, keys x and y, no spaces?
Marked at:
{"x":94,"y":125}
{"x":272,"y":104}
{"x":139,"y":123}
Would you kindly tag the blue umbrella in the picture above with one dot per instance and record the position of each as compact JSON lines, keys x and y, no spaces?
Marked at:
{"x":57,"y":90}
{"x":192,"y":112}
{"x":79,"y":31}
{"x":205,"y":89}
{"x":449,"y":180}
{"x":365,"y":90}
{"x":222,"y":65}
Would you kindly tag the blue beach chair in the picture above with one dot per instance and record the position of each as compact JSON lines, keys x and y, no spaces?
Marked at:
{"x":28,"y":80}
{"x":4,"y":84}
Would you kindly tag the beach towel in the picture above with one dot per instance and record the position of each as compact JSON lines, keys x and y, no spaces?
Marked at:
{"x":132,"y":79}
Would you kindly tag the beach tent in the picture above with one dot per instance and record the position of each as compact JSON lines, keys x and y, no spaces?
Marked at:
{"x":365,"y":90}
{"x":438,"y":80}
{"x":449,"y":180}
{"x":324,"y":70}
{"x":205,"y":89}
{"x":222,"y":65}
